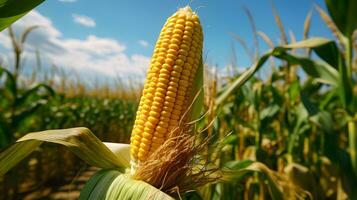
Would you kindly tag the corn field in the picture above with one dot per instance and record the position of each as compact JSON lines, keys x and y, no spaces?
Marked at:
{"x":188,"y":132}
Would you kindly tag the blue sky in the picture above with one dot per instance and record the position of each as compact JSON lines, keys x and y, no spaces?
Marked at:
{"x":134,"y":25}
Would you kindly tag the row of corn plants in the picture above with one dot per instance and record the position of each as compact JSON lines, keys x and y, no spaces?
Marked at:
{"x":39,"y":107}
{"x":38,"y":103}
{"x":300,"y":120}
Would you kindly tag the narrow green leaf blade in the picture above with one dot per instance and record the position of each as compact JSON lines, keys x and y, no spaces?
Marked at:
{"x":34,"y":90}
{"x":308,"y":43}
{"x":10,"y":85}
{"x":243,"y":78}
{"x":325,"y":48}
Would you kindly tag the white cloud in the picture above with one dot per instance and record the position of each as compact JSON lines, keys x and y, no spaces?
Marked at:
{"x":93,"y":55}
{"x":143,"y":43}
{"x":67,"y":1}
{"x":83,"y":20}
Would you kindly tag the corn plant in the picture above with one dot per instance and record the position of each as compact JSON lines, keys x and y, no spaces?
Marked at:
{"x":164,"y":158}
{"x":18,"y":104}
{"x":306,"y":119}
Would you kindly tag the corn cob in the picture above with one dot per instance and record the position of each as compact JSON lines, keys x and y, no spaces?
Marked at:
{"x":167,"y":88}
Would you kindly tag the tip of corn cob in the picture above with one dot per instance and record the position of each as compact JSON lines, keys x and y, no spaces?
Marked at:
{"x":186,"y":10}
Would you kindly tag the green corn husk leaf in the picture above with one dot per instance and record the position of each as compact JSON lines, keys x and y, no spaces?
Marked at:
{"x":97,"y":186}
{"x":81,"y":141}
{"x":197,"y":94}
{"x":112,"y":184}
{"x":11,"y":10}
{"x":120,"y":150}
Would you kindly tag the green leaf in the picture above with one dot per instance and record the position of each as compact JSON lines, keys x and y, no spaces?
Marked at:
{"x":10,"y":84}
{"x":243,"y":78}
{"x":323,"y":72}
{"x":343,"y":14}
{"x":81,"y":141}
{"x":230,"y":139}
{"x":345,"y":89}
{"x":311,"y":108}
{"x":12,"y":10}
{"x":334,"y":72}
{"x":324,"y":121}
{"x":299,"y":127}
{"x":111,"y":184}
{"x":237,"y":170}
{"x":97,"y":186}
{"x":308,"y":43}
{"x":120,"y":150}
{"x":197,"y":94}
{"x":325,"y":48}
{"x":238,"y":164}
{"x":23,"y":114}
{"x":32,"y":91}
{"x":269,"y":111}
{"x":329,"y":53}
